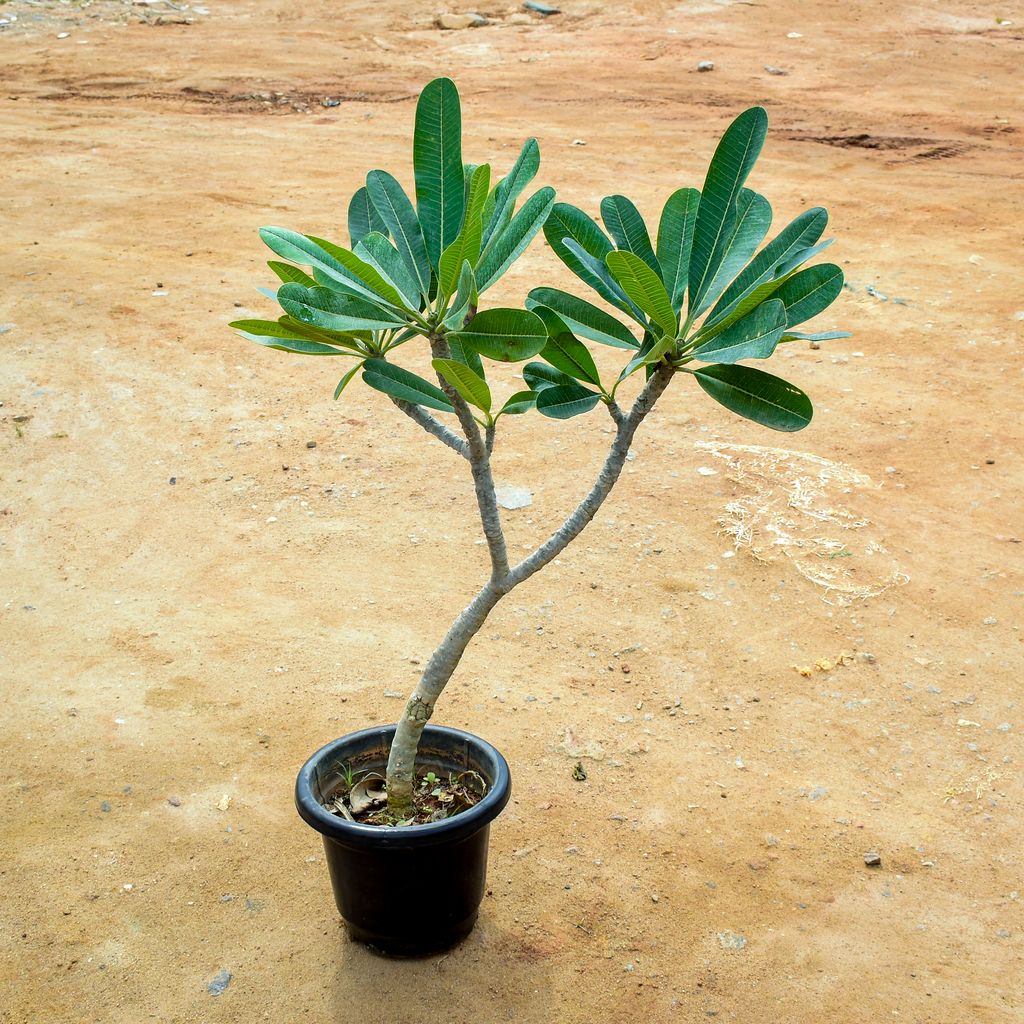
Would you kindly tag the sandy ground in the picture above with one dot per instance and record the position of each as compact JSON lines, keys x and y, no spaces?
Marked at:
{"x":193,"y":600}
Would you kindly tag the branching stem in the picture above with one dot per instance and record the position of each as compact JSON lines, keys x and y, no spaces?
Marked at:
{"x":445,"y":659}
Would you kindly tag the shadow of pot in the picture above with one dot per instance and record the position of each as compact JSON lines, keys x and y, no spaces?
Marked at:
{"x":414,"y":890}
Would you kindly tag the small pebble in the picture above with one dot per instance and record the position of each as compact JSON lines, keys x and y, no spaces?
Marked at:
{"x":578,"y":142}
{"x":173,"y":480}
{"x":311,"y":444}
{"x":872,"y":860}
{"x":544,"y":10}
{"x":174,"y":801}
{"x":393,"y":694}
{"x":105,"y":807}
{"x":457,"y":21}
{"x":706,"y":65}
{"x":731,"y":940}
{"x":220,"y":982}
{"x":772,"y":70}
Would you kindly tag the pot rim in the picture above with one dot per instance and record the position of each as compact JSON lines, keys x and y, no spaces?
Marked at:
{"x":357,"y":834}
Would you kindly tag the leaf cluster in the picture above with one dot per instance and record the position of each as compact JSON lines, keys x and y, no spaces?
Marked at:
{"x":704,"y":297}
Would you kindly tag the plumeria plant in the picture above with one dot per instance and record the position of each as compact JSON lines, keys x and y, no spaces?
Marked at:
{"x":699,"y":304}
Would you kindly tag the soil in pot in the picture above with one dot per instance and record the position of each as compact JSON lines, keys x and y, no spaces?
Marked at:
{"x":362,"y":796}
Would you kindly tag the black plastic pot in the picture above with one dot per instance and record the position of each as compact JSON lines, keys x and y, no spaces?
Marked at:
{"x":414,"y":890}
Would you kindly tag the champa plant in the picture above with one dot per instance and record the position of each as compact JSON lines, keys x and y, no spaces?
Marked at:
{"x":697,"y":304}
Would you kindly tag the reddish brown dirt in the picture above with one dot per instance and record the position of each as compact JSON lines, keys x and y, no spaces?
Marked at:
{"x":198,"y":640}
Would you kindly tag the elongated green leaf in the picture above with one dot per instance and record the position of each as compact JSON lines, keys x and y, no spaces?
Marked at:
{"x":520,"y":402}
{"x":734,"y":157}
{"x":512,"y":242}
{"x":627,"y":227}
{"x":294,"y":332}
{"x":286,"y":272}
{"x":756,"y":395}
{"x":466,"y":246}
{"x":391,"y":202}
{"x":509,"y":189}
{"x":540,"y":376}
{"x":363,"y":218}
{"x":350,"y":337}
{"x":564,"y":401}
{"x":810,"y":291}
{"x":380,"y":254}
{"x":405,"y":385}
{"x":272,"y":335}
{"x":568,"y":222}
{"x":816,"y":336}
{"x":675,"y":240}
{"x":610,"y":288}
{"x":465,"y":301}
{"x":508,"y":335}
{"x":322,"y":307}
{"x":644,"y":287}
{"x":472,"y":387}
{"x":301,"y":249}
{"x":800,"y":257}
{"x":582,"y":318}
{"x":750,"y":225}
{"x":570,"y":355}
{"x":753,"y":337}
{"x":437,"y":162}
{"x":652,"y":348}
{"x":344,"y":382}
{"x":764,"y":272}
{"x":373,"y":284}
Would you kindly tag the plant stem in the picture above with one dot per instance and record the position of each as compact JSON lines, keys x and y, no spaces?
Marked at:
{"x":432,"y":426}
{"x":445,"y":659}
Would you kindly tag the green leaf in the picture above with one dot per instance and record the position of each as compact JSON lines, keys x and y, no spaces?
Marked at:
{"x":568,"y":222}
{"x":675,"y":240}
{"x":364,"y":277}
{"x":817,"y":336}
{"x":471,"y":386}
{"x":402,"y":384}
{"x":626,"y":226}
{"x":510,"y":188}
{"x":644,"y":287}
{"x":508,"y":335}
{"x":571,"y":356}
{"x":651,"y":348}
{"x":751,"y":223}
{"x":507,"y":247}
{"x":301,"y":249}
{"x":753,"y":337}
{"x":465,"y":297}
{"x":323,"y":307}
{"x":376,"y":250}
{"x":756,"y":395}
{"x":270,"y":334}
{"x":286,"y":272}
{"x":611,"y":289}
{"x":734,"y":157}
{"x":363,"y":218}
{"x":540,"y":376}
{"x":285,"y":331}
{"x":391,"y":202}
{"x":344,"y":382}
{"x":808,"y":292}
{"x":437,"y":162}
{"x":763,"y":274}
{"x":582,"y":318}
{"x":466,"y":246}
{"x":520,"y":402}
{"x":564,"y":401}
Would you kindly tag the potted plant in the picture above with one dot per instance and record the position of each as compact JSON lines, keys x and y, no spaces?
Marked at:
{"x":404,"y":810}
